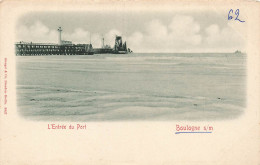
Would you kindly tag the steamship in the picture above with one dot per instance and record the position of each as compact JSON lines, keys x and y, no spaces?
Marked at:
{"x":119,"y":48}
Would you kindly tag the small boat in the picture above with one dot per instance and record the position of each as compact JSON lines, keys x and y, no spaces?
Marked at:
{"x":238,"y":52}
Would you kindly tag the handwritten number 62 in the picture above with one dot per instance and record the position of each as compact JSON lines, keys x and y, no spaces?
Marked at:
{"x":230,"y":17}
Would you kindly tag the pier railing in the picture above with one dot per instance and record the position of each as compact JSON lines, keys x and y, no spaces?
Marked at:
{"x":37,"y":49}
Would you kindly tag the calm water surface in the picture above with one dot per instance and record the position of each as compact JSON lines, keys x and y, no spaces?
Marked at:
{"x":131,"y":87}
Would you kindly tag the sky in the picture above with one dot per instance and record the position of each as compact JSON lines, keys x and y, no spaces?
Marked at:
{"x":144,"y":31}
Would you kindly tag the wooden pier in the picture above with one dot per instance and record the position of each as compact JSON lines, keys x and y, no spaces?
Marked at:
{"x":40,"y":49}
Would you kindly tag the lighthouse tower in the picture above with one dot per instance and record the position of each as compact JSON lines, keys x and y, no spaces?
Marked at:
{"x":59,"y":30}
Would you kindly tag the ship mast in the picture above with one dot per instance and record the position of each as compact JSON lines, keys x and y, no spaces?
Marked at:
{"x":103,"y":42}
{"x":90,"y":38}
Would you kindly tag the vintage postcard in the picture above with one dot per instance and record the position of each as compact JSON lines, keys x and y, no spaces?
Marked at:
{"x":129,"y":82}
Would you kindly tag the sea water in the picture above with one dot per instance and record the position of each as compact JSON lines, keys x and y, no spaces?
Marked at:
{"x":109,"y":87}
